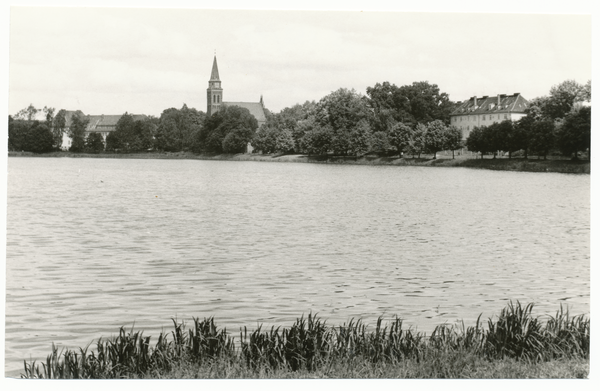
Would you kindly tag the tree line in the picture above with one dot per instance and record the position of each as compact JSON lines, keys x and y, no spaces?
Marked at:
{"x":389,"y":120}
{"x":556,"y":122}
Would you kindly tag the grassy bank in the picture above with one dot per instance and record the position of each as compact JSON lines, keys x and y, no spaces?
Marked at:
{"x":504,"y":164}
{"x":512,"y":345}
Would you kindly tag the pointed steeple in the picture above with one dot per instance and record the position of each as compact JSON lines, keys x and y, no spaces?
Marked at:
{"x":214,"y":75}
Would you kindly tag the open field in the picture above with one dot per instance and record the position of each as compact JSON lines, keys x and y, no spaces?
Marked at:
{"x":512,"y":345}
{"x":443,"y":160}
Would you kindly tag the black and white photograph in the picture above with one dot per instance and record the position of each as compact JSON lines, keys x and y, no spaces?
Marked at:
{"x":200,"y":191}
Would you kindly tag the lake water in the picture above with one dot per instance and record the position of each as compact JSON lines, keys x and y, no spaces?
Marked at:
{"x":96,"y":244}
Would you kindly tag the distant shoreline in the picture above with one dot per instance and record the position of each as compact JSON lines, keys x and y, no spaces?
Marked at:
{"x":502,"y":164}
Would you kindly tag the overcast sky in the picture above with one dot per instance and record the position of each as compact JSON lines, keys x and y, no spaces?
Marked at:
{"x":112,"y":60}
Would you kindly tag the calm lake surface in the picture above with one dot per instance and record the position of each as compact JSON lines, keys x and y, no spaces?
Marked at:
{"x":96,"y":244}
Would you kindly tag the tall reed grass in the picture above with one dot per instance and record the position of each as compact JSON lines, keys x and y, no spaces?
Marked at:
{"x":309,"y":345}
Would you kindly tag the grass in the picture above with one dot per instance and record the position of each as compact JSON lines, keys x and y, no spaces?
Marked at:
{"x":513,"y":345}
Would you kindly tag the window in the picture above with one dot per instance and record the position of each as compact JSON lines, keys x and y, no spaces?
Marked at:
{"x":214,"y":98}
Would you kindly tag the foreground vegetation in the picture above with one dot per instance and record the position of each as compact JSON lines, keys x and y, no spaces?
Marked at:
{"x":513,"y":345}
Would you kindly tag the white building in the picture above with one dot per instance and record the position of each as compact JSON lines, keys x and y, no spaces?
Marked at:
{"x":487,"y":110}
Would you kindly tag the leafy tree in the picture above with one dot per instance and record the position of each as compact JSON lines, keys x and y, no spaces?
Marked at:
{"x":113,"y":142}
{"x":478,"y":140}
{"x":427,"y":103}
{"x":574,"y":134}
{"x":167,"y":136}
{"x":177,"y":130}
{"x":417,"y":142}
{"x":453,"y":139}
{"x":94,"y":143}
{"x":360,"y":138}
{"x":317,"y":139}
{"x":18,"y":132}
{"x":563,"y":96}
{"x":230,"y":119}
{"x":143,"y":130}
{"x":418,"y":102}
{"x":236,"y":140}
{"x":435,"y":137}
{"x":59,"y":124}
{"x":508,"y":138}
{"x":265,"y":139}
{"x":380,"y":143}
{"x":284,"y":142}
{"x":125,"y":132}
{"x":541,"y":137}
{"x":400,"y":136}
{"x":30,"y":136}
{"x":341,"y":110}
{"x":40,"y":138}
{"x":27,"y":113}
{"x":77,"y":133}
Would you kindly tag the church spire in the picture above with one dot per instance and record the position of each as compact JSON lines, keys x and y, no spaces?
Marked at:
{"x":214,"y":92}
{"x":214,"y":75}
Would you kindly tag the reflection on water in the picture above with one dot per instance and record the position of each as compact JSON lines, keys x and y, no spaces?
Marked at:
{"x":95,"y":244}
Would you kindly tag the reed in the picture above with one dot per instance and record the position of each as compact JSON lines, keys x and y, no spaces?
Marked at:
{"x":310,"y":346}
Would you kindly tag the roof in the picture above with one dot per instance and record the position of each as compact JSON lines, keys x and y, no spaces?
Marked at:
{"x":214,"y":75}
{"x":255,"y":108}
{"x":108,"y":121}
{"x":502,"y":103}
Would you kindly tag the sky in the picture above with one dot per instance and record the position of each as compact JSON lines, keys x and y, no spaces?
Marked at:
{"x":145,"y":60}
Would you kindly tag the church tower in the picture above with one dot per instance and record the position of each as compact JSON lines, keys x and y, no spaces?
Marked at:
{"x":214,"y":92}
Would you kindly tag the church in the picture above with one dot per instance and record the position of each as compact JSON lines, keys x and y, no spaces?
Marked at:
{"x":214,"y":100}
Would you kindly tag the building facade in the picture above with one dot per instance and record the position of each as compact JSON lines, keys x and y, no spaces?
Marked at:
{"x":103,"y":124}
{"x":487,"y":110}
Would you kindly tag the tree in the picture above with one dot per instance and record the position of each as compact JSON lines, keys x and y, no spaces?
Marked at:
{"x":510,"y":139}
{"x":380,"y":143}
{"x":400,"y":136}
{"x":478,"y":141}
{"x":563,"y":96}
{"x":317,"y":139}
{"x":342,"y":110}
{"x":27,"y":113}
{"x":417,"y":142}
{"x":125,"y":132}
{"x":40,"y":138}
{"x":541,"y":137}
{"x":216,"y":128}
{"x":574,"y":133}
{"x":94,"y":143}
{"x":453,"y":139}
{"x":418,"y":102}
{"x":167,"y":136}
{"x":178,"y":130}
{"x":18,"y":132}
{"x":237,"y":139}
{"x":77,"y":133}
{"x":435,"y":137}
{"x":360,"y":138}
{"x":59,"y":124}
{"x":264,"y":139}
{"x":113,"y":143}
{"x":284,"y":141}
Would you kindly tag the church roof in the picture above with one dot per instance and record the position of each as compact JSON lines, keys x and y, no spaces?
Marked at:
{"x":214,"y":75}
{"x":255,"y":108}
